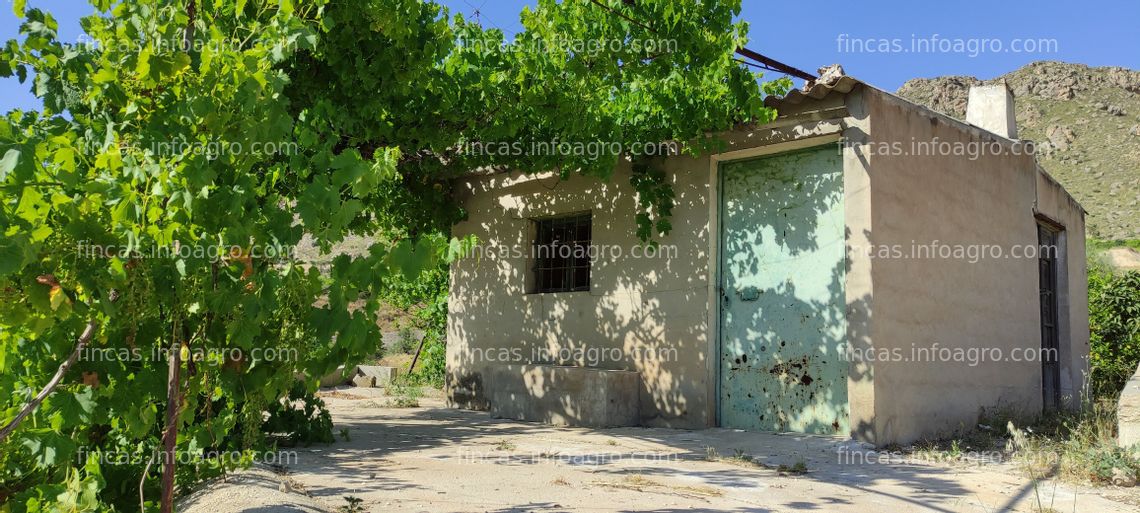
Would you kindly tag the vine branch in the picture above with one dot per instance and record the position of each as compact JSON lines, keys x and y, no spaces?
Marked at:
{"x":84,"y":338}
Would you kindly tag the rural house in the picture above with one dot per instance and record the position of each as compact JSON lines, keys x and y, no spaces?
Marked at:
{"x":861,"y":266}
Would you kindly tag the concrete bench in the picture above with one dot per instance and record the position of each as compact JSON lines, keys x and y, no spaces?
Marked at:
{"x":564,"y":395}
{"x":1128,"y":412}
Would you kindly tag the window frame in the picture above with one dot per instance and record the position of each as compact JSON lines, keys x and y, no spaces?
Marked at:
{"x":551,"y":274}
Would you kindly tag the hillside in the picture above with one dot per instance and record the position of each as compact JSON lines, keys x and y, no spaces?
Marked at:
{"x":1086,"y":122}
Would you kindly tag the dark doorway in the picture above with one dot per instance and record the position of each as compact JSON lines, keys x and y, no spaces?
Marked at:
{"x":1047,"y":237}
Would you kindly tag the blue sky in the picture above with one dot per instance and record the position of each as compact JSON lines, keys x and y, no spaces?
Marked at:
{"x":980,"y":38}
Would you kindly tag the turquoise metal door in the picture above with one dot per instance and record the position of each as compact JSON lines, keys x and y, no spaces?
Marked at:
{"x":782,"y":322}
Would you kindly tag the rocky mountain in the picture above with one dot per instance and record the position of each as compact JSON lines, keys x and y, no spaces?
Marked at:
{"x":1086,"y":122}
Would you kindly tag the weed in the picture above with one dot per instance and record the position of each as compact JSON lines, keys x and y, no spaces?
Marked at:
{"x":344,"y":435}
{"x":640,"y":480}
{"x":956,"y":449}
{"x":799,"y":467}
{"x":355,"y":505}
{"x":402,"y":395}
{"x":739,"y":458}
{"x":504,"y":445}
{"x":1078,"y":446}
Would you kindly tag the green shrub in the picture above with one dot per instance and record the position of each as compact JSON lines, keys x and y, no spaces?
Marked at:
{"x":1114,"y":325}
{"x":406,"y":341}
{"x":426,"y":297}
{"x":300,"y":418}
{"x":432,"y":366}
{"x":404,"y":394}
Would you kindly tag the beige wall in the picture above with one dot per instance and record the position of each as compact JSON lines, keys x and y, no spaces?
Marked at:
{"x":921,"y":197}
{"x":1055,"y":204}
{"x":652,"y":309}
{"x":859,"y":286}
{"x":657,"y":311}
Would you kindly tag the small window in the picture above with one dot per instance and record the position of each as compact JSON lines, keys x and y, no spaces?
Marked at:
{"x":562,"y":254}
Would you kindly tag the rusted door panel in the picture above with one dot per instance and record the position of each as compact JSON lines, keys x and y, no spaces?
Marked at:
{"x":782,"y":301}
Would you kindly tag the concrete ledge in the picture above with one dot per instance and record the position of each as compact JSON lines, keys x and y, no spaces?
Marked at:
{"x":331,"y":379}
{"x":564,"y":396}
{"x":334,"y":378}
{"x":370,"y":376}
{"x":1128,"y":412}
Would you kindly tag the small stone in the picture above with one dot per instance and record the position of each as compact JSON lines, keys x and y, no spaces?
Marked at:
{"x":363,"y":381}
{"x":1115,"y":110}
{"x":1123,"y":477}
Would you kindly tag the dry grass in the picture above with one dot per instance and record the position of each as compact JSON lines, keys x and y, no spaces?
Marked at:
{"x":1078,"y":447}
{"x":738,"y":458}
{"x":640,"y":483}
{"x":339,"y":395}
{"x":1072,"y":446}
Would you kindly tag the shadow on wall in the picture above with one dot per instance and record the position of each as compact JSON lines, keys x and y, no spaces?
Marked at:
{"x":644,"y":312}
{"x":650,"y":315}
{"x":784,"y":328}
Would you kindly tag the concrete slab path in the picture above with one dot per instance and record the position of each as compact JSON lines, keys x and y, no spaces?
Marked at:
{"x":435,"y":459}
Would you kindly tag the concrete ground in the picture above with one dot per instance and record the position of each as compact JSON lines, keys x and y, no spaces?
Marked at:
{"x":432,"y":458}
{"x":257,"y":490}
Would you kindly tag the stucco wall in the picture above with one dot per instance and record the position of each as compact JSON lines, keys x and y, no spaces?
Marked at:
{"x":654,"y":314}
{"x":925,"y":197}
{"x":1056,"y":205}
{"x":650,"y":312}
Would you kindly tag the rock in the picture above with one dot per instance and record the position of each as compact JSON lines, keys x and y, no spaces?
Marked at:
{"x":1124,"y":78}
{"x":1115,"y":110}
{"x":1123,"y":477}
{"x":830,"y":74}
{"x":363,"y":381}
{"x":1060,"y":136}
{"x":946,"y":94}
{"x":1123,"y":259}
{"x":1029,"y":115}
{"x":1135,"y":130}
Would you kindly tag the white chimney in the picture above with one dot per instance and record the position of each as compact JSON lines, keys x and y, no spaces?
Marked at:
{"x":991,"y":107}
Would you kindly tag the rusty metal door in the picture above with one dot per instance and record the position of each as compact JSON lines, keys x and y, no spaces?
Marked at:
{"x":782,"y":317}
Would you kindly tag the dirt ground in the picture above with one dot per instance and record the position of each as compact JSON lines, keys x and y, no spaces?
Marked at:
{"x":434,"y":459}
